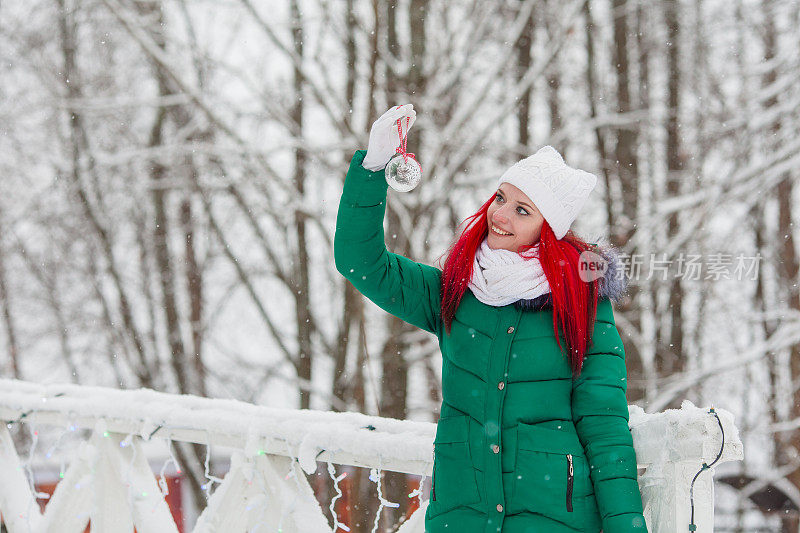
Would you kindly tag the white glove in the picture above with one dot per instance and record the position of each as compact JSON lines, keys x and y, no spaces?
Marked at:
{"x":384,"y":137}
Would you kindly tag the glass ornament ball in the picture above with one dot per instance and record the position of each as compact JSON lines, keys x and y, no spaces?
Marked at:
{"x":403,"y":174}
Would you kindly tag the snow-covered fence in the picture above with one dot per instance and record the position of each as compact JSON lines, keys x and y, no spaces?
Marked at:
{"x":110,"y":481}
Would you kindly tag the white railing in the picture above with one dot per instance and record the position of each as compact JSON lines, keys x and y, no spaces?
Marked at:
{"x":110,"y":482}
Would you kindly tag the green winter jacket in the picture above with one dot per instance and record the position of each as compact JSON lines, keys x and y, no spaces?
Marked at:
{"x":520,"y":446}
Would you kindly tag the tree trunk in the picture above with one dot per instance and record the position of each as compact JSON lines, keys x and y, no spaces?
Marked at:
{"x":553,"y":77}
{"x":78,"y":147}
{"x":6,"y":308}
{"x":194,"y":290}
{"x":301,"y":283}
{"x":787,"y":268}
{"x":161,"y":220}
{"x":393,"y":393}
{"x":627,"y":135}
{"x":670,"y":354}
{"x":523,"y":46}
{"x":352,"y":299}
{"x":627,"y":177}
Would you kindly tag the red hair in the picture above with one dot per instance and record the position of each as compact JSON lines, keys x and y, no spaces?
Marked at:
{"x":574,"y":300}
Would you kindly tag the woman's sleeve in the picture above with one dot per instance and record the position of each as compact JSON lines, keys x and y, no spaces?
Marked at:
{"x":600,"y":413}
{"x":396,"y":284}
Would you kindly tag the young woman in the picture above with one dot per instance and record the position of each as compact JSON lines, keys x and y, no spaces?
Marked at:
{"x":533,"y":431}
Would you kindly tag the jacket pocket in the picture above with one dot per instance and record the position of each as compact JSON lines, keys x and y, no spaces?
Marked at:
{"x":551,"y":474}
{"x":453,"y":481}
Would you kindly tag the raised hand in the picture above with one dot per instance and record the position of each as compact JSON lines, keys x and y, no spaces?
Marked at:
{"x":384,"y":139}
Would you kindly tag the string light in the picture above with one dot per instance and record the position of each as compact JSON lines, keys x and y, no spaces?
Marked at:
{"x":62,"y":466}
{"x":692,"y":525}
{"x":162,"y":482}
{"x":29,"y":476}
{"x":375,"y":475}
{"x":258,"y":474}
{"x":150,"y":436}
{"x":336,"y":480}
{"x":22,"y":416}
{"x":292,"y":474}
{"x":55,"y":446}
{"x":124,"y":443}
{"x":418,"y":491}
{"x":211,"y":479}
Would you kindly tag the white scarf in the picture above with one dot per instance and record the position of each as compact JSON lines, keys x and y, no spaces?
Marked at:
{"x":501,"y":277}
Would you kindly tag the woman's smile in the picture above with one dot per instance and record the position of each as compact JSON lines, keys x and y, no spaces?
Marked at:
{"x":500,"y":232}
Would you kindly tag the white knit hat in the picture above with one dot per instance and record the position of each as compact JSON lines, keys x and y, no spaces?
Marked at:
{"x":558,"y":190}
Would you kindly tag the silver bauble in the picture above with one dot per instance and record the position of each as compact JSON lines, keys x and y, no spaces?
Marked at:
{"x":403,"y":174}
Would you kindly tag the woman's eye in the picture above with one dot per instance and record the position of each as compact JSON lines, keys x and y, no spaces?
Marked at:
{"x":498,"y":198}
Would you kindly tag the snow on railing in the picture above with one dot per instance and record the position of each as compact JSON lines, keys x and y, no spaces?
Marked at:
{"x":110,"y":482}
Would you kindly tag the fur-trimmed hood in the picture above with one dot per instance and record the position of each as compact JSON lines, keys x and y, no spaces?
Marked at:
{"x":613,"y":285}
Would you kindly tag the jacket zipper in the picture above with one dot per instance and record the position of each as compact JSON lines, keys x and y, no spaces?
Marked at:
{"x":569,"y":483}
{"x":433,"y":477}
